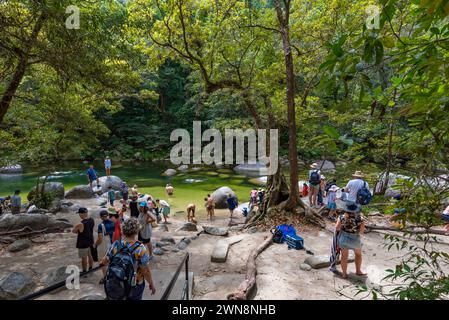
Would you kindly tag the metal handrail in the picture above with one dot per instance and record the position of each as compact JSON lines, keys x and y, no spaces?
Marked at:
{"x":185,"y":290}
{"x":168,"y":290}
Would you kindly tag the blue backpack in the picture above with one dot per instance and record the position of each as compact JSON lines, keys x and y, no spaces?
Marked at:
{"x":364,"y":196}
{"x":315,"y":178}
{"x":282,"y":231}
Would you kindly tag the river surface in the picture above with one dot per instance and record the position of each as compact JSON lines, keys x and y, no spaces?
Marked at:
{"x":190,"y":186}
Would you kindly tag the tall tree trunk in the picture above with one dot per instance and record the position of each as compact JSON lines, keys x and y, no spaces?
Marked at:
{"x":283,"y":18}
{"x":11,"y":89}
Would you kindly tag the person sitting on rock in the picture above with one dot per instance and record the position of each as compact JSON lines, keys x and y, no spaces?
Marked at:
{"x":191,"y":212}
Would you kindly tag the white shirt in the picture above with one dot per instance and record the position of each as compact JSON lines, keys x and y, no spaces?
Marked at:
{"x":446,"y":211}
{"x":164,"y":203}
{"x":353,"y":188}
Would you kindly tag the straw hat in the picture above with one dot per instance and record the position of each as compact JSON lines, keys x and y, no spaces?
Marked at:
{"x":358,"y":174}
{"x":314,"y":165}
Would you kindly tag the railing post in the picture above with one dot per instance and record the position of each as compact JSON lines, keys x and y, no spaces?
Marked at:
{"x":187,"y":277}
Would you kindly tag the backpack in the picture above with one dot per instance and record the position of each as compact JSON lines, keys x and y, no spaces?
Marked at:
{"x":121,"y":273}
{"x":364,"y":196}
{"x":281,"y":232}
{"x":315,"y":177}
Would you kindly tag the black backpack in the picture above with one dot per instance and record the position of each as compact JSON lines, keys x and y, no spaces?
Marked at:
{"x":315,"y":177}
{"x":121,"y":274}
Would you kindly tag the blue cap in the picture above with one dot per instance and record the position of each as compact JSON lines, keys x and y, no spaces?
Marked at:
{"x":143,"y":204}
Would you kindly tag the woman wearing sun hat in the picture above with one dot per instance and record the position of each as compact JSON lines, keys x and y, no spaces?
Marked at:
{"x":314,"y":183}
{"x":355,"y":185}
{"x":350,"y":226}
{"x":145,"y":219}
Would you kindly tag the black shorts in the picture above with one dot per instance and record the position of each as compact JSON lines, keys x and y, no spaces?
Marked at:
{"x":144,"y":241}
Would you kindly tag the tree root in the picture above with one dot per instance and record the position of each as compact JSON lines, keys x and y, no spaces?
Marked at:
{"x":408,"y":230}
{"x":246,"y":287}
{"x":26,"y":231}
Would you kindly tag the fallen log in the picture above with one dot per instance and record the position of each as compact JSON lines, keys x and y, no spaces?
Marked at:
{"x":27,"y":231}
{"x":408,"y":230}
{"x":245,"y":288}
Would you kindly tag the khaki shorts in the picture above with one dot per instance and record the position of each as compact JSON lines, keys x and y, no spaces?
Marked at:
{"x":84,"y":253}
{"x":315,"y":186}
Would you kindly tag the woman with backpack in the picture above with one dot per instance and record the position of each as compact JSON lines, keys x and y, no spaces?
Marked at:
{"x":139,"y":266}
{"x":314,"y":183}
{"x":146,"y":218}
{"x":350,"y":227}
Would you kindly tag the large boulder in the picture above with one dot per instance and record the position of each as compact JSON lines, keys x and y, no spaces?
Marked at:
{"x":220,"y":195}
{"x":80,"y":192}
{"x":16,"y":168}
{"x":257,"y":169}
{"x":215,"y":231}
{"x":326,"y":165}
{"x":10,"y":222}
{"x":55,"y":276}
{"x":188,"y":226}
{"x":392,"y":180}
{"x":56,"y":189}
{"x":169,"y":172}
{"x":106,"y":182}
{"x":19,"y":245}
{"x":15,"y":285}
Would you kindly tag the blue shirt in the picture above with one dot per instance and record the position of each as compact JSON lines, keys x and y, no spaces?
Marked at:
{"x":107,"y":163}
{"x":231,"y":203}
{"x":111,"y":195}
{"x":16,"y":201}
{"x":92,"y":174}
{"x":109,"y":226}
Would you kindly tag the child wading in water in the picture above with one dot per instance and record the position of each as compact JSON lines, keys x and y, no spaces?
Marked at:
{"x":331,"y":202}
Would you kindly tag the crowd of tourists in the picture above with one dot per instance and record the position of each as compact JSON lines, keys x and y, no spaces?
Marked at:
{"x":126,"y":226}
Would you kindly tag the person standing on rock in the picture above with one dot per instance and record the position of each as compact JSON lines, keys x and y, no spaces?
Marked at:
{"x":107,"y":166}
{"x":16,"y":202}
{"x":104,"y":239}
{"x":350,"y":227}
{"x":314,"y":183}
{"x":211,"y":205}
{"x":165,"y":209}
{"x":141,"y":257}
{"x":92,"y":175}
{"x":191,"y":212}
{"x":146,"y":218}
{"x":85,"y":238}
{"x":232,"y":204}
{"x":355,"y":185}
